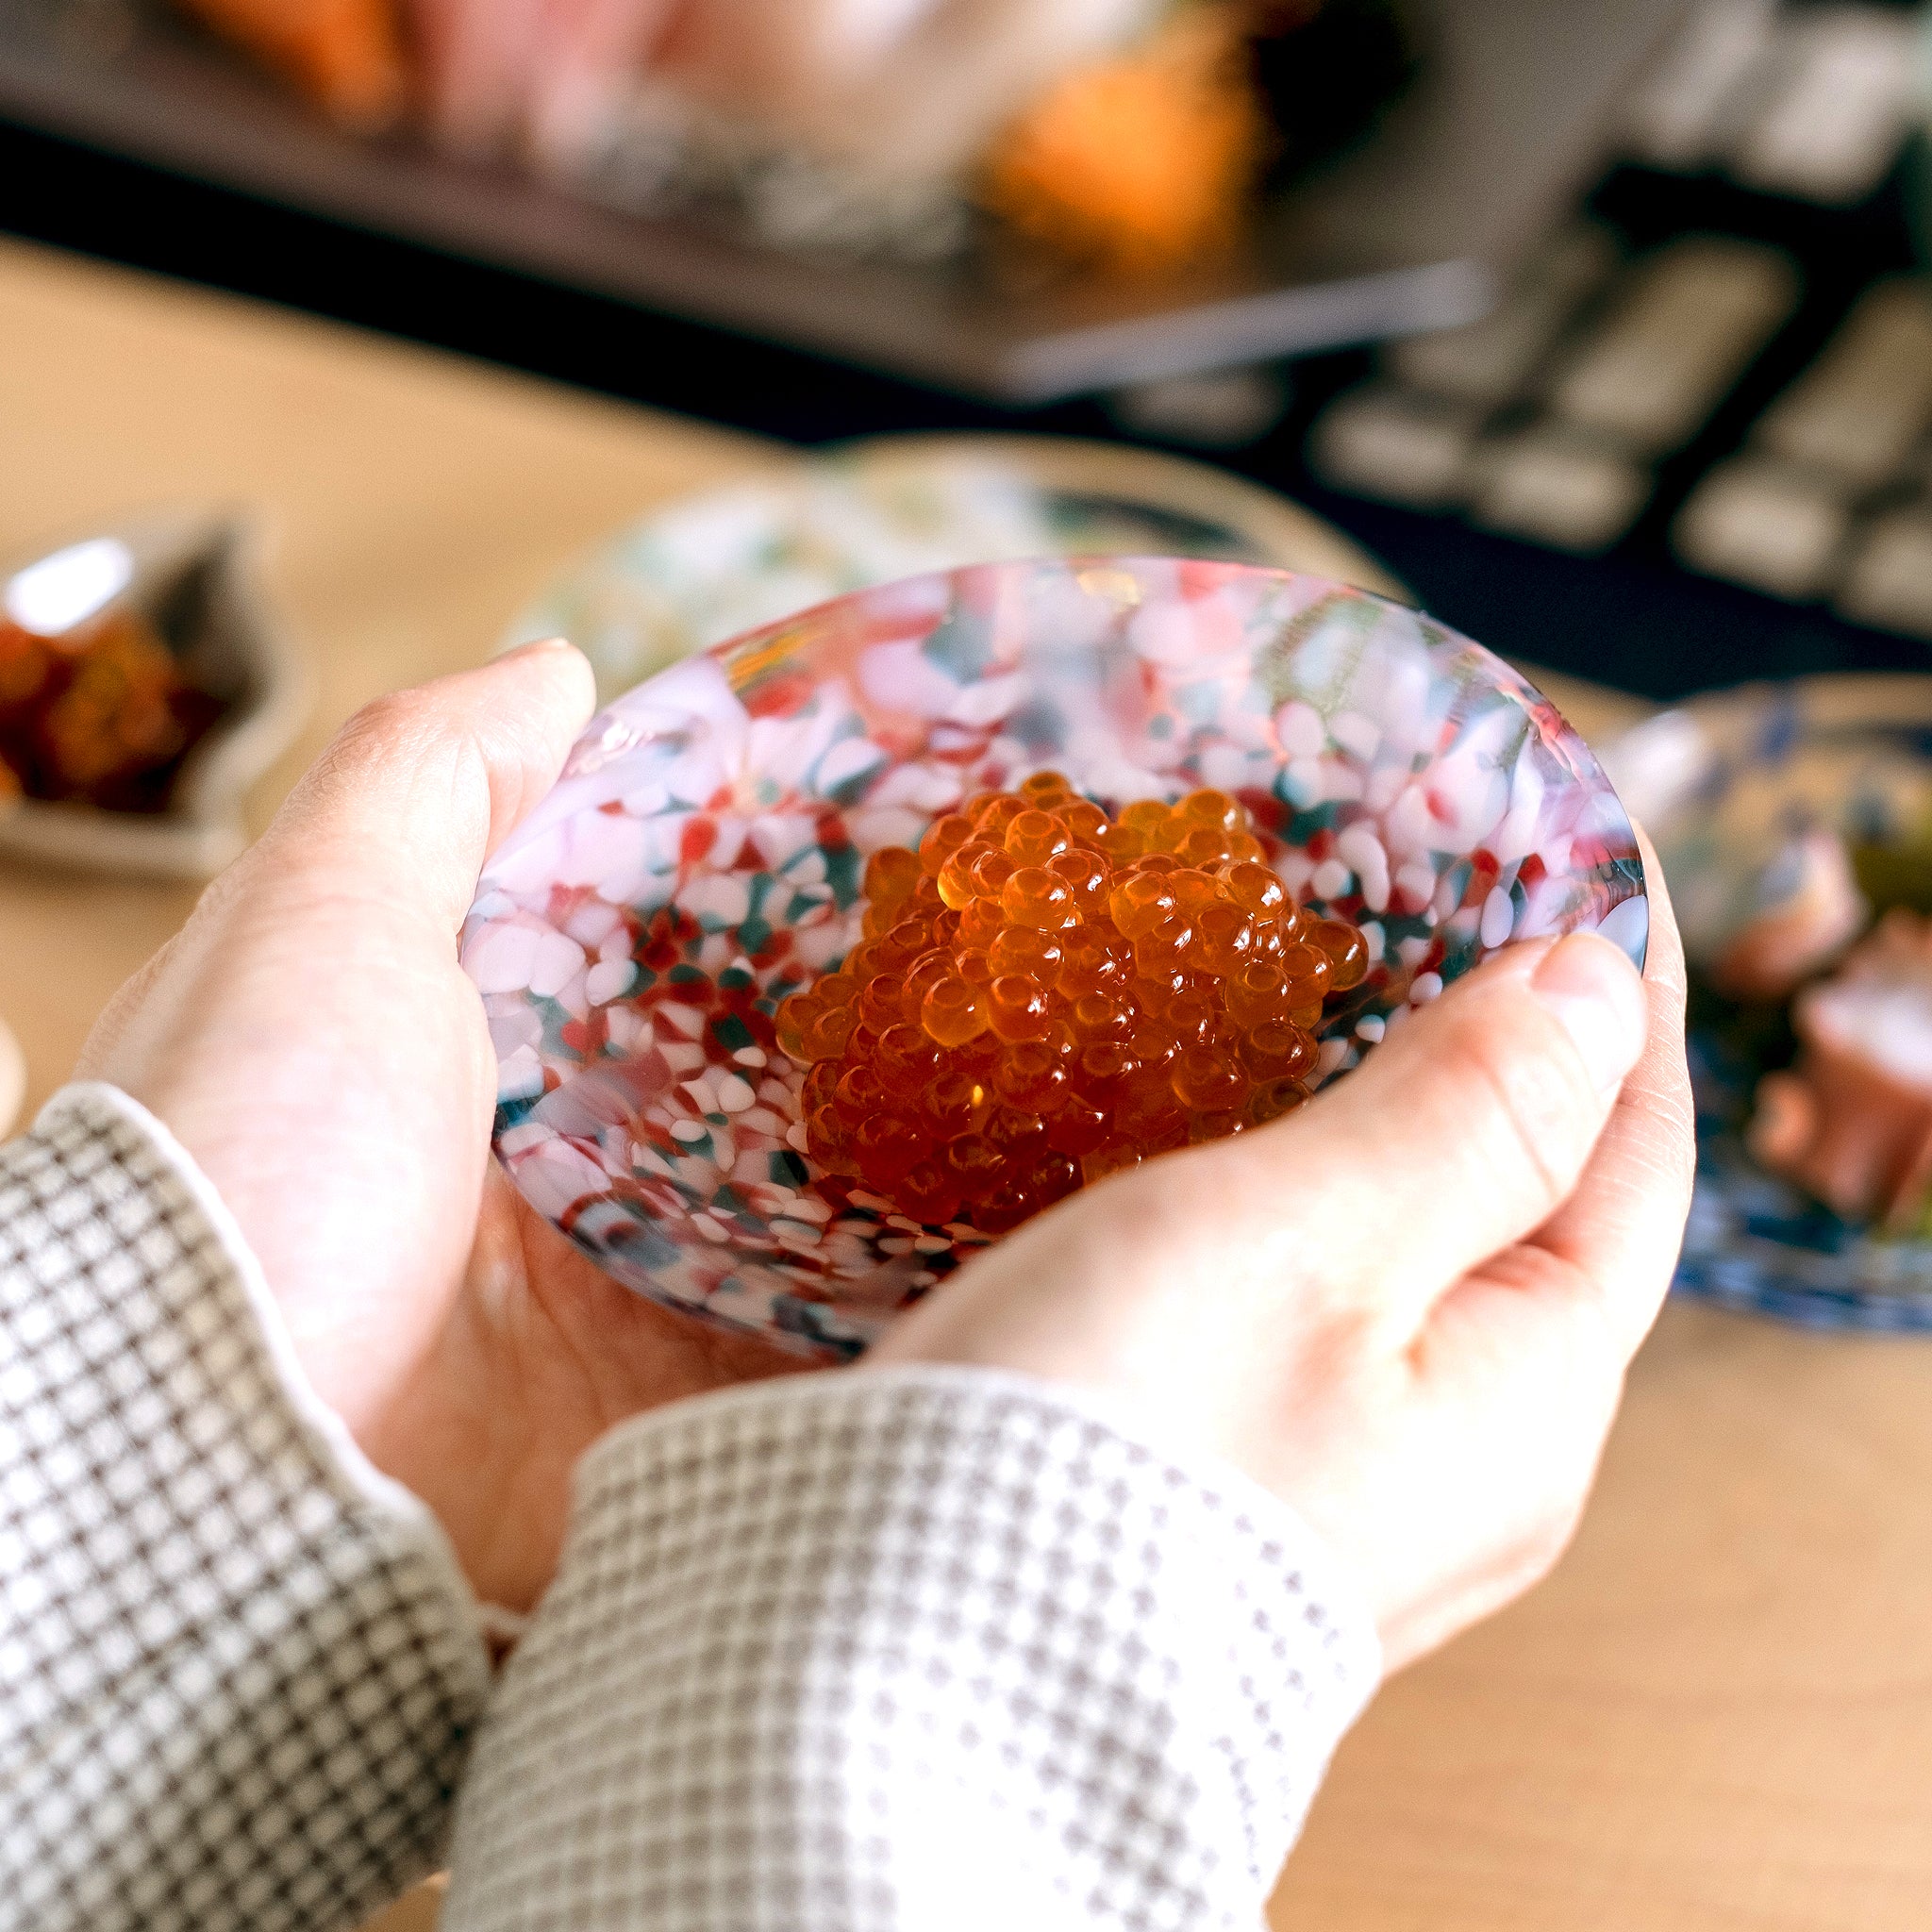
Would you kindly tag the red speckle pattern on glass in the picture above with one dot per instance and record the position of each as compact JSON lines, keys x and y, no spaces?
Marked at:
{"x":1370,"y":804}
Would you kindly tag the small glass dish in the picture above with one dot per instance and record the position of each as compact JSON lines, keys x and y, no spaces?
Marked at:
{"x":701,"y":856}
{"x":1724,"y":783}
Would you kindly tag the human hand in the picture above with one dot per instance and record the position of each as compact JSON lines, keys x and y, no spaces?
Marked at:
{"x":309,"y":1037}
{"x":901,"y":85}
{"x":1407,"y":1307}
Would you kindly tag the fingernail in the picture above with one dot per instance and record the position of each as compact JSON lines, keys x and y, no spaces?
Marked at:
{"x":537,"y":644}
{"x":1594,"y":990}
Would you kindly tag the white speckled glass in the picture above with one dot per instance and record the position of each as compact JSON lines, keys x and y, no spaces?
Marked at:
{"x":700,"y":859}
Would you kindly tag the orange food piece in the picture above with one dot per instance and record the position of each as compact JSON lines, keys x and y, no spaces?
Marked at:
{"x":1142,"y":161}
{"x":1025,"y":949}
{"x":1139,"y":902}
{"x":944,"y":838}
{"x":1043,"y":996}
{"x":1347,"y":950}
{"x":1087,"y":875}
{"x":1032,"y":1075}
{"x":1017,"y":1003}
{"x":102,"y":713}
{"x":1205,"y":1081}
{"x":1036,"y":837}
{"x":992,"y":869}
{"x":1258,"y":992}
{"x":980,"y":925}
{"x":345,"y":55}
{"x":1168,"y":944}
{"x":1254,"y":888}
{"x":1036,"y":897}
{"x":955,"y":1011}
{"x":1046,"y":787}
{"x":829,"y":1030}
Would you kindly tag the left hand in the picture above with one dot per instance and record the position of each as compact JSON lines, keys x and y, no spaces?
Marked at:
{"x":310,"y":1040}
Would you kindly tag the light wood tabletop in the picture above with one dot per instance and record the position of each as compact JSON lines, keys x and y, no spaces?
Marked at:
{"x":1717,"y":1717}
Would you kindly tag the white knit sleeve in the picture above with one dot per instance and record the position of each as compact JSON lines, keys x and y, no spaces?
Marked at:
{"x":239,"y":1669}
{"x":904,"y":1651}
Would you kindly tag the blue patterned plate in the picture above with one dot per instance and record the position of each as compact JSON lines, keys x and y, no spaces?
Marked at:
{"x":1721,"y":782}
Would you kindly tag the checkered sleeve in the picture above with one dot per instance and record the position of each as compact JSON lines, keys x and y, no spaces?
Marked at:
{"x":239,"y":1669}
{"x":909,"y":1650}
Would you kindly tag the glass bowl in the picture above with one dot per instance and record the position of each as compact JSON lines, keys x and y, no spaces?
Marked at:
{"x":1724,"y":783}
{"x":701,"y":857}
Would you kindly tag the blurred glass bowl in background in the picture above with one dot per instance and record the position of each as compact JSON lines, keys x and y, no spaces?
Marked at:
{"x":711,"y":566}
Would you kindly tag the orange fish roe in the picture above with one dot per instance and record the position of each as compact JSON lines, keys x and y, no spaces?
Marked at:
{"x":1044,"y":996}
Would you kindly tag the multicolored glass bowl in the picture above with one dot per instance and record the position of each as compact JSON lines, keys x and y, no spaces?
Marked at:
{"x":700,"y":859}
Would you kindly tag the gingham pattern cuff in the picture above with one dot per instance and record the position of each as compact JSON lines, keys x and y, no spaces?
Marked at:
{"x":239,"y":1669}
{"x":903,"y":1651}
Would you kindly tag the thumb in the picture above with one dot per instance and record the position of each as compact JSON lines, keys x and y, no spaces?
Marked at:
{"x":419,"y":787}
{"x":1460,"y":1135}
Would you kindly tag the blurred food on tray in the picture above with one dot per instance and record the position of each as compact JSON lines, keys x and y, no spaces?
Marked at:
{"x":346,"y":55}
{"x":1128,"y":135}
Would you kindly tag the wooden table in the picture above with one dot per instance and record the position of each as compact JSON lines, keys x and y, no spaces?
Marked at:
{"x":1717,"y":1715}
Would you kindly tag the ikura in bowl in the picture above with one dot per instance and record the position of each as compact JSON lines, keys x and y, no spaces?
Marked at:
{"x":703,"y":856}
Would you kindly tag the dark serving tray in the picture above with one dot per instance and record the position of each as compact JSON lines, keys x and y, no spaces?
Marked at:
{"x":1410,"y":232}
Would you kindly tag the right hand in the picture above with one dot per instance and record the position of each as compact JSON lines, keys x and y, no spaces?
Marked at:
{"x":1407,"y":1307}
{"x":901,"y":86}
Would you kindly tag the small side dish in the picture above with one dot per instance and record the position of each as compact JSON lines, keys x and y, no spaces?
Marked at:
{"x":142,"y":689}
{"x":1794,"y":823}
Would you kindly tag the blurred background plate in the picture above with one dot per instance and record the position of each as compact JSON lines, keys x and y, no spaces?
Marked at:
{"x":712,"y":566}
{"x":1721,"y":782}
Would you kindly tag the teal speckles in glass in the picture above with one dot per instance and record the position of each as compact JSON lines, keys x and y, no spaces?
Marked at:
{"x":719,"y":817}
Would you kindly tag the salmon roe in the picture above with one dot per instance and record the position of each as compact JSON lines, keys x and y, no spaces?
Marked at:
{"x":1044,"y":996}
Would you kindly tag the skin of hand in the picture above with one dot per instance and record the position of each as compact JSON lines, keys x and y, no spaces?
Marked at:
{"x":899,"y":85}
{"x":1430,"y":1387}
{"x":310,"y":1039}
{"x":1406,"y":1309}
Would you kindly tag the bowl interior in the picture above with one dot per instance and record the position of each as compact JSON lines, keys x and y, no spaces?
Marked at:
{"x":700,"y":859}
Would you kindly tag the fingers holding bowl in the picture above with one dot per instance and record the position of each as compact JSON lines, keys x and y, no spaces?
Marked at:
{"x":1462,"y":1134}
{"x":1622,"y":1227}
